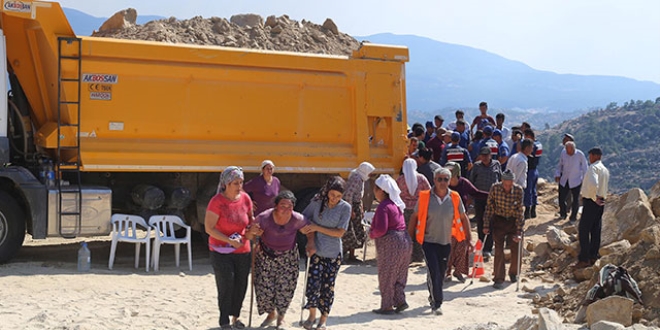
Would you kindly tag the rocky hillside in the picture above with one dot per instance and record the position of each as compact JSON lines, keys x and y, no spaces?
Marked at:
{"x":242,"y":31}
{"x":630,"y":238}
{"x":628,"y":135}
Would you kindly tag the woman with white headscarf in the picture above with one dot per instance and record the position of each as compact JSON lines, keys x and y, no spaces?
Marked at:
{"x":393,"y":246}
{"x":411,"y":183}
{"x":227,"y":222}
{"x":355,"y":235}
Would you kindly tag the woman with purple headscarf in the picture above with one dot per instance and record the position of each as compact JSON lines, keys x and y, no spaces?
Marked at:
{"x":264,"y":188}
{"x":228,"y":218}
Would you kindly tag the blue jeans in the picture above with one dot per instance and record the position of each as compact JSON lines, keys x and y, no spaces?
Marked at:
{"x":530,"y":191}
{"x":436,"y":256}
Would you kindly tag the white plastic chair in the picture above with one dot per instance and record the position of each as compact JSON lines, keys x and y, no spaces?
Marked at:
{"x":124,"y":229}
{"x":164,"y":227}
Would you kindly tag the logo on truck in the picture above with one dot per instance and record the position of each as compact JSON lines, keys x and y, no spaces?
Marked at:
{"x":99,"y":78}
{"x":17,"y":6}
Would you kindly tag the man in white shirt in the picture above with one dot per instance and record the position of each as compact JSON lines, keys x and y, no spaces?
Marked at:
{"x":569,"y":174}
{"x":518,"y":163}
{"x":594,"y":190}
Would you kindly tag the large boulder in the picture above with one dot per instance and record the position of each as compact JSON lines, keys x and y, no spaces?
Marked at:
{"x":557,"y":238}
{"x":654,"y":198}
{"x":626,"y":216}
{"x":651,"y":235}
{"x":245,"y":20}
{"x":120,"y":20}
{"x":606,"y":325}
{"x":549,"y":320}
{"x":617,"y":247}
{"x":614,"y":309}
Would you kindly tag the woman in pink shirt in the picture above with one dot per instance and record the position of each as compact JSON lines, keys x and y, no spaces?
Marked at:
{"x":393,"y":246}
{"x":227,"y":221}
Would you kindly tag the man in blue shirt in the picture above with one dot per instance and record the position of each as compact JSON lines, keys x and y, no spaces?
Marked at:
{"x":531,"y":195}
{"x":461,"y":128}
{"x":502,"y":148}
{"x":569,"y":174}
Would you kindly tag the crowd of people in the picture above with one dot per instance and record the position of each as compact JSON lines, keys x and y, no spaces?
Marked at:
{"x":422,"y":216}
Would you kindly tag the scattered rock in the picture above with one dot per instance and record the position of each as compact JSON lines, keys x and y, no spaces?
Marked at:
{"x":557,"y":238}
{"x":484,"y":279}
{"x":331,"y":26}
{"x":525,"y":323}
{"x":527,"y":289}
{"x":653,"y":253}
{"x":120,"y":20}
{"x":614,"y":308}
{"x":573,"y":249}
{"x":536,"y":298}
{"x":583,"y":274}
{"x":617,"y":247}
{"x":549,"y":320}
{"x":271,"y":21}
{"x":606,"y":325}
{"x":571,"y":230}
{"x":245,"y":20}
{"x":530,"y":246}
{"x":547,"y":279}
{"x":651,"y":235}
{"x":543,"y":249}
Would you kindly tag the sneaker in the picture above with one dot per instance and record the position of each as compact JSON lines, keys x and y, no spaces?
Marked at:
{"x":498,"y":285}
{"x":437,"y":310}
{"x":513,"y":278}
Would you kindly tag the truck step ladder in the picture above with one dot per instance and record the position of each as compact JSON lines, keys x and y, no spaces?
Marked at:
{"x":69,"y":96}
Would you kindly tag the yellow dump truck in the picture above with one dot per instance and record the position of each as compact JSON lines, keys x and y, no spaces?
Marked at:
{"x":95,"y":126}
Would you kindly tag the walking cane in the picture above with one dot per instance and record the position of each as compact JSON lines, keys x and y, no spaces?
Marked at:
{"x":302,"y":300}
{"x":251,"y":285}
{"x":474,"y":271}
{"x":520,"y":252}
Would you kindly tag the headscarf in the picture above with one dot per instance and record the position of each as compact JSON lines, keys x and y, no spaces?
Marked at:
{"x":364,"y":170}
{"x":230,"y":174}
{"x":388,"y":185}
{"x":267,"y":162}
{"x":333,"y":183}
{"x":409,"y":174}
{"x":455,"y":169}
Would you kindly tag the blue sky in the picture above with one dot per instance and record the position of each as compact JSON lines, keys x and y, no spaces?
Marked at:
{"x":604,"y":37}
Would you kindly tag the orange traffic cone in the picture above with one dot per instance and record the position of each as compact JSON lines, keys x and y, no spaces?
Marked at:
{"x":478,"y":268}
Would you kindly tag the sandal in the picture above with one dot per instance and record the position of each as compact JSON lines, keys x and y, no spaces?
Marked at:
{"x":308,"y":325}
{"x":267,"y":322}
{"x":321,"y":327}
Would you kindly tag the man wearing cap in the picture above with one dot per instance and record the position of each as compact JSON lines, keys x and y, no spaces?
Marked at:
{"x":594,"y":190}
{"x":437,"y":144}
{"x":504,"y":220}
{"x":531,"y":195}
{"x":484,"y":174}
{"x":502,"y":148}
{"x":455,"y":153}
{"x":488,"y":141}
{"x":506,"y":132}
{"x":482,"y":119}
{"x":569,"y":174}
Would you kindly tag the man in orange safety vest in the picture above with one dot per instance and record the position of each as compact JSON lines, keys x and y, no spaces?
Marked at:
{"x":439,"y":215}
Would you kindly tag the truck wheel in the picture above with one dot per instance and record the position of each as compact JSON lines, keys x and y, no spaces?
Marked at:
{"x":12,"y":227}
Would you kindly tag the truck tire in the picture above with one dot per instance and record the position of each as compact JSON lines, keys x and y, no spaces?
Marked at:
{"x":12,"y":227}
